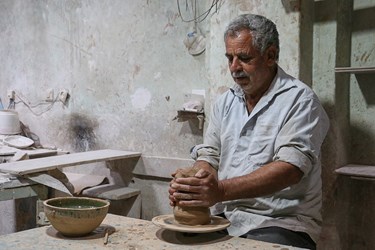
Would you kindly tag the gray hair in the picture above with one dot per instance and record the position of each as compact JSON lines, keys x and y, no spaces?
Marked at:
{"x":262,"y":30}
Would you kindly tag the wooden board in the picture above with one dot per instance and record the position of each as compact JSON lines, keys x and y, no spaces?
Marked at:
{"x":35,"y":190}
{"x":111,"y":192}
{"x":60,"y":161}
{"x":355,"y":70}
{"x":357,"y":170}
{"x":39,"y":152}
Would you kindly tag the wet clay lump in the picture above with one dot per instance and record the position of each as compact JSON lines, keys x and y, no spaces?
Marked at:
{"x":190,"y":215}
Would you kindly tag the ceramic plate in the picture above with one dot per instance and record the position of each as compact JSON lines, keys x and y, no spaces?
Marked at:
{"x":7,"y":151}
{"x":18,"y":141}
{"x":168,"y":222}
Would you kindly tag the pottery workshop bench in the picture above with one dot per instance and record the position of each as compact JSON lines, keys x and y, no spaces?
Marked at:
{"x":130,"y":233}
{"x":19,"y":186}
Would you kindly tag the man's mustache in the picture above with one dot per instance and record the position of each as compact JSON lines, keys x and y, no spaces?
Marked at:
{"x":239,"y":74}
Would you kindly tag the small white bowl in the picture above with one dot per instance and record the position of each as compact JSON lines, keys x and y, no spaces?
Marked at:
{"x":9,"y":122}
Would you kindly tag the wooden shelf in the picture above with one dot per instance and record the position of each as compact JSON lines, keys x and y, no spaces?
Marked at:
{"x":60,"y":161}
{"x":353,"y":170}
{"x":184,"y":115}
{"x":355,"y":70}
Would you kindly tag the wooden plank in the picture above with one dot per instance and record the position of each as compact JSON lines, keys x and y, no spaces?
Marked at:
{"x":60,"y":161}
{"x":357,"y":170}
{"x":111,"y":192}
{"x":24,"y":192}
{"x":355,"y":70}
{"x":40,"y":152}
{"x":15,"y":182}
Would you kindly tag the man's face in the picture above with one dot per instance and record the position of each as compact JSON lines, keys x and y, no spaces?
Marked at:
{"x":248,"y":67}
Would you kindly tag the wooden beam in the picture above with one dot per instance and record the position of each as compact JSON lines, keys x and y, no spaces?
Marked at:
{"x":61,"y":161}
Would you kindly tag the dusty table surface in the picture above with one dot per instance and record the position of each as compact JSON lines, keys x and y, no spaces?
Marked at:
{"x":128,"y":233}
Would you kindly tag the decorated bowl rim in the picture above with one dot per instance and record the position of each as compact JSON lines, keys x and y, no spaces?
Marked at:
{"x":105,"y":203}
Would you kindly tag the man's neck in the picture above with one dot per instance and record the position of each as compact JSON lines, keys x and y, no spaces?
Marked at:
{"x":253,"y":98}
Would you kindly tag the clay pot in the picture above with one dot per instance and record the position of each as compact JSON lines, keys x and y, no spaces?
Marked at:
{"x":190,"y":215}
{"x":75,"y":216}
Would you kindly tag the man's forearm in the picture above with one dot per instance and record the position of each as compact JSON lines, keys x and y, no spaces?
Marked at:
{"x":266,"y":180}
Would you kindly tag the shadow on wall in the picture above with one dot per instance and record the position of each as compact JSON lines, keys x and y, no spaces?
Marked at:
{"x":191,"y":126}
{"x":291,"y":5}
{"x":81,"y":132}
{"x":364,"y":19}
{"x":367,"y":86}
{"x":25,"y":213}
{"x":332,"y":156}
{"x":348,"y":204}
{"x":355,"y":213}
{"x":362,"y":149}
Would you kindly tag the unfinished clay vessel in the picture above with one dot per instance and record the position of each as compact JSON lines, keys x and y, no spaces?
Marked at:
{"x":190,"y":215}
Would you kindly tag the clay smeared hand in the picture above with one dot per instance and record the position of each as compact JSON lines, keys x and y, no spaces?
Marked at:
{"x":171,"y":191}
{"x":201,"y":190}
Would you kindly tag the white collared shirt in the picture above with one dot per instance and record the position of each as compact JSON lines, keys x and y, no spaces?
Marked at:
{"x":287,"y":124}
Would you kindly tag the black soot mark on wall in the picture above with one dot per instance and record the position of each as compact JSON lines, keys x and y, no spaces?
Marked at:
{"x":82,"y":132}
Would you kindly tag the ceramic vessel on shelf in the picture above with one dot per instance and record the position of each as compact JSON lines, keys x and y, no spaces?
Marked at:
{"x":9,"y":122}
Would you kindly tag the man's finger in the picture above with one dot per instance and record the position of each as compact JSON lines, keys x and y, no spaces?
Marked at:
{"x":202,"y":173}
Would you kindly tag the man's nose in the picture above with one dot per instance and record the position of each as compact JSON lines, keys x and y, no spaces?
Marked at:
{"x":235,"y":65}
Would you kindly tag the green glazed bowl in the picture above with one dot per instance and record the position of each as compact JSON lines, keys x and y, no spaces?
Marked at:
{"x":75,"y":216}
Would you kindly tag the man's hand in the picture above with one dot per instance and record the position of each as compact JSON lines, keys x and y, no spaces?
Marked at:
{"x":201,"y":190}
{"x":171,"y":191}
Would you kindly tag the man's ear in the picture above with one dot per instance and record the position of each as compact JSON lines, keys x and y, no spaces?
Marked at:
{"x":270,"y":54}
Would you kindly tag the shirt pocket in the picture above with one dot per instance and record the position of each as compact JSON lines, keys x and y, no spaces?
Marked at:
{"x":261,"y":145}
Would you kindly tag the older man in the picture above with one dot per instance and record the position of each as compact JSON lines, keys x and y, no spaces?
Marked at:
{"x":260,"y":161}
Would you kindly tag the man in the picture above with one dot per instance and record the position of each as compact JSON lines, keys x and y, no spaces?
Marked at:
{"x":260,"y":163}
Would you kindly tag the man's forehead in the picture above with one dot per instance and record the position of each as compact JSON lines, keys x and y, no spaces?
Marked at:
{"x":239,"y":45}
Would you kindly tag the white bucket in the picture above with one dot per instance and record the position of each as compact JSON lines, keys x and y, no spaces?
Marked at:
{"x":9,"y":122}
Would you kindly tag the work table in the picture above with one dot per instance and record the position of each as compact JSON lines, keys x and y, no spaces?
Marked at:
{"x":128,"y":233}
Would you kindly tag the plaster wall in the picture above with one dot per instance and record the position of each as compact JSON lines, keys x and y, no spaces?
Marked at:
{"x":123,"y":63}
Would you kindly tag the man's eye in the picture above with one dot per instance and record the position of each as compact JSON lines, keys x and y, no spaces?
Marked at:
{"x":245,"y":59}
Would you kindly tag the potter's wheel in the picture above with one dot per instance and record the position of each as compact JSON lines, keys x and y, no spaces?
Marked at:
{"x":167,"y":221}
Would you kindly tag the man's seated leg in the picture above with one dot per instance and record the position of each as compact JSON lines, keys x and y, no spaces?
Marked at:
{"x":282,"y":236}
